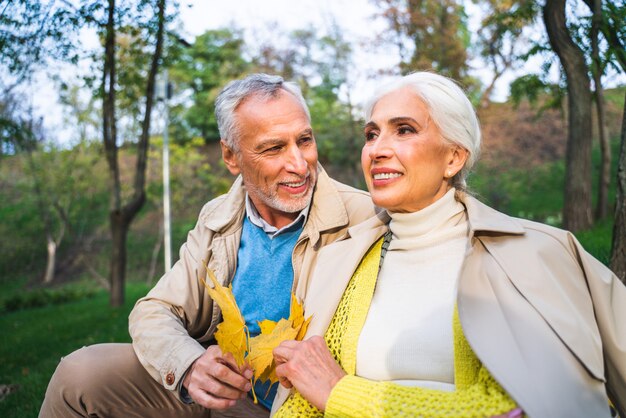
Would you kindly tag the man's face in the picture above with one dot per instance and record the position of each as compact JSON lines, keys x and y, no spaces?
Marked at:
{"x":277,"y":156}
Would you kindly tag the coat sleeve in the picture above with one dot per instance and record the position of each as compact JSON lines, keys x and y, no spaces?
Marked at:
{"x":166,"y":324}
{"x":609,"y":303}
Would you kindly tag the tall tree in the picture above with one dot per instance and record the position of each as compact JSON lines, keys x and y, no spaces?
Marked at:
{"x":123,"y":212}
{"x":501,"y":38}
{"x":577,"y":209}
{"x":602,"y":205}
{"x":429,"y":34}
{"x":618,"y":250}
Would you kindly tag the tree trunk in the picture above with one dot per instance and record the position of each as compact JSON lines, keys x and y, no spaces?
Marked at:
{"x":577,"y":213}
{"x":618,"y":251}
{"x":602,"y":205}
{"x":117,"y":264}
{"x":51,"y":262}
{"x":122,"y":216}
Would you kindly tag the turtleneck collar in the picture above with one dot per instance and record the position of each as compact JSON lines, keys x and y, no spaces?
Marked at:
{"x":431,"y":218}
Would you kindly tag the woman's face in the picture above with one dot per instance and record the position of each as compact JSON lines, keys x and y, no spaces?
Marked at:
{"x":406,"y":163}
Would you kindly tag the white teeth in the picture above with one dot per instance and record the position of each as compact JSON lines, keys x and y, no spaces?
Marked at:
{"x":296,"y":184}
{"x":383,"y":176}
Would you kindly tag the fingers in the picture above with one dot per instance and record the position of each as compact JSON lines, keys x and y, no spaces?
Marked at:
{"x":309,"y":367}
{"x":282,"y":372}
{"x":214,"y":380}
{"x":209,"y":401}
{"x":220,"y":380}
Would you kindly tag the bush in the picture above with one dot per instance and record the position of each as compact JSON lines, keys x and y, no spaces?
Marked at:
{"x":45,"y":297}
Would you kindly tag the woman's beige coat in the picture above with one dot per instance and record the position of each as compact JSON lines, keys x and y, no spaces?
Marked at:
{"x":546,"y":318}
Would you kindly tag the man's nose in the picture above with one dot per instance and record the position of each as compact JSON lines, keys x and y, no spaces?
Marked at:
{"x":296,"y":163}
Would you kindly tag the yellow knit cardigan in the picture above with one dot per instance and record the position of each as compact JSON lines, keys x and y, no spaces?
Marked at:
{"x":477,"y":393}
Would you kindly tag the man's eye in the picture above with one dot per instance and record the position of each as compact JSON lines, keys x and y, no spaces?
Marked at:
{"x":306,"y":139}
{"x":272,"y":149}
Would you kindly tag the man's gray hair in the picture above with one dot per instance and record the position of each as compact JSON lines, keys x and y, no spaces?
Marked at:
{"x":449,"y":108}
{"x":260,"y":85}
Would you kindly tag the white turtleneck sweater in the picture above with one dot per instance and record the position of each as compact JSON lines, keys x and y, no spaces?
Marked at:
{"x":407,"y":336}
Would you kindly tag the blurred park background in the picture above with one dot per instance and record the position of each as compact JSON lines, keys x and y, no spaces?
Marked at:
{"x":84,"y":107}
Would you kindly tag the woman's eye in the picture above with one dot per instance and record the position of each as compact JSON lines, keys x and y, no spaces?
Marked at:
{"x":370,"y":135}
{"x":403,"y":130}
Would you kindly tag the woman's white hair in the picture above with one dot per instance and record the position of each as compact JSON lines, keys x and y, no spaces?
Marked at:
{"x":234,"y":93}
{"x":449,"y":108}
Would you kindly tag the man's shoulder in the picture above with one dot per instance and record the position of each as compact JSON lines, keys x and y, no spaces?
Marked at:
{"x":349,"y":191}
{"x":223,"y":210}
{"x":358,"y":203}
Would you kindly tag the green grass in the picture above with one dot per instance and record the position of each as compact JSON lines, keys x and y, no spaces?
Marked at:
{"x":34,"y":340}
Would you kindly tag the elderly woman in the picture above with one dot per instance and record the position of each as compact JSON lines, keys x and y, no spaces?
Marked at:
{"x":442,"y":306}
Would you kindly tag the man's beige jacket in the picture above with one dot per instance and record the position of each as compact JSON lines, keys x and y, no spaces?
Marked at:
{"x":546,"y":318}
{"x":174,"y":323}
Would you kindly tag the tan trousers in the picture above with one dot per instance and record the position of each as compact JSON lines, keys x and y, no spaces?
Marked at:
{"x":107,"y":381}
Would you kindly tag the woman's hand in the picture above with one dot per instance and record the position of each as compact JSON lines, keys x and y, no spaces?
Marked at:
{"x":309,"y":367}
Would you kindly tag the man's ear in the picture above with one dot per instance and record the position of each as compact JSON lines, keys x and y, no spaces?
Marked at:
{"x":230,"y":159}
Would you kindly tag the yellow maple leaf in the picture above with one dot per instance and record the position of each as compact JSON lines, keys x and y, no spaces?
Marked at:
{"x":260,"y":355}
{"x":231,"y":334}
{"x":266,"y":326}
{"x":296,"y":312}
{"x":303,"y":328}
{"x":296,"y":315}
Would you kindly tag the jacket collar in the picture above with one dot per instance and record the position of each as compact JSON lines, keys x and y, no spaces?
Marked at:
{"x":327,"y":208}
{"x":229,"y":209}
{"x":481,"y":219}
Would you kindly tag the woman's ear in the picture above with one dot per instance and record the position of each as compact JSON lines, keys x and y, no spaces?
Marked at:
{"x":230,"y":159}
{"x":458,"y":157}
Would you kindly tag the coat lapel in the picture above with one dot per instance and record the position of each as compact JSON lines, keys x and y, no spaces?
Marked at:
{"x":337,"y":263}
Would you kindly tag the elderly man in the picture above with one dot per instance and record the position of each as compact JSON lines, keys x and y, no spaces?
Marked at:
{"x":262,"y":237}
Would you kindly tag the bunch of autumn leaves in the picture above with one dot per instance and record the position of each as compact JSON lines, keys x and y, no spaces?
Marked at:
{"x":233,"y":337}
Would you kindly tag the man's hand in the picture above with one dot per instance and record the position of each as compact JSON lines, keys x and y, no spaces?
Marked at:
{"x":215,"y":381}
{"x":310,"y":367}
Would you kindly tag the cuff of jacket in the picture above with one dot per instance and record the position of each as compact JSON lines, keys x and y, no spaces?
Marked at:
{"x":350,"y":394}
{"x":177,"y":366}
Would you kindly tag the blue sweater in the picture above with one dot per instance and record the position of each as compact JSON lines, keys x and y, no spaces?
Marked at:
{"x":262,"y":283}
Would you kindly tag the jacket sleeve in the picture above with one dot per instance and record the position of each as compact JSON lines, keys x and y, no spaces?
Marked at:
{"x":166,"y":324}
{"x":352,"y":395}
{"x":609,"y":303}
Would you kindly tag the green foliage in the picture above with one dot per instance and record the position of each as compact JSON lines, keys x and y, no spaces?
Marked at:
{"x":44,"y":192}
{"x":429,"y":35}
{"x":201,"y":70}
{"x":535,"y":87}
{"x":45,"y":297}
{"x":597,"y":241}
{"x":535,"y":194}
{"x":32,"y":32}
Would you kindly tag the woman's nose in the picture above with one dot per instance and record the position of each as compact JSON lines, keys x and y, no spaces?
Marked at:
{"x":379,"y":148}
